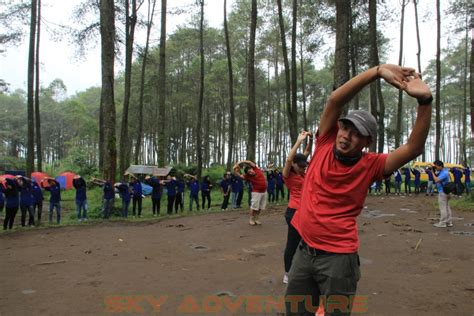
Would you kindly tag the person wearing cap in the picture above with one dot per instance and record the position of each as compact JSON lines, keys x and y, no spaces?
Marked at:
{"x":255,"y":177}
{"x":326,"y":262}
{"x":81,"y":197}
{"x":293,"y":175}
{"x":441,"y":178}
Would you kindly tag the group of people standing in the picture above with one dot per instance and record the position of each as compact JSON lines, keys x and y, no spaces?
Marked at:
{"x":405,"y":176}
{"x":25,"y":194}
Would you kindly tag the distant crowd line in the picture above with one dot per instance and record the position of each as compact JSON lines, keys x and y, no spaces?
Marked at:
{"x":409,"y":176}
{"x":25,"y":194}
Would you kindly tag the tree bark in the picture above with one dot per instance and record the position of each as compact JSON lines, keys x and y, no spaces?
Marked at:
{"x":341,"y":59}
{"x":231,"y":91}
{"x":252,"y":113}
{"x":39,"y":150}
{"x":438,"y":80}
{"x":286,"y":66}
{"x":162,"y":90}
{"x":107,"y":32}
{"x":201,"y":94}
{"x":471,"y":83}
{"x":138,"y":144}
{"x":130,"y":22}
{"x":374,"y":61}
{"x":399,"y":133}
{"x":294,"y":101}
{"x":30,"y":152}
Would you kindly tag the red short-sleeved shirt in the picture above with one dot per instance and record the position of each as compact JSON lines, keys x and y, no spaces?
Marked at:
{"x":333,"y":196}
{"x":294,"y":183}
{"x":258,"y":181}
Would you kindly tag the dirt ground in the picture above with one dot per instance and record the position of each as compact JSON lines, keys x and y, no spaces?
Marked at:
{"x":216,"y":264}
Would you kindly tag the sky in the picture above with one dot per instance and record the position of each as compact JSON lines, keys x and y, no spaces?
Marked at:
{"x":58,"y":57}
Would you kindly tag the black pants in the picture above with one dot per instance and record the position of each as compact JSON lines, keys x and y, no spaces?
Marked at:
{"x":271,"y":195}
{"x":407,"y":187}
{"x":38,"y":209}
{"x":387,"y":187}
{"x":225,"y":202}
{"x":239,"y":197}
{"x":10,"y":213}
{"x":156,"y":205}
{"x":280,"y":189}
{"x":137,"y":200}
{"x":31,"y":217}
{"x":179,"y":202}
{"x":195,"y":199}
{"x":171,"y":199}
{"x":292,"y":240}
{"x":206,"y":195}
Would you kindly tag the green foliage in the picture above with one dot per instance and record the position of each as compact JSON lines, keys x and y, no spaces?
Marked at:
{"x":465,"y":204}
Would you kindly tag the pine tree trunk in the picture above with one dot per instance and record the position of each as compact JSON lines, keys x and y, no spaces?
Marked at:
{"x":39,"y":150}
{"x":294,"y":110}
{"x":162,"y":90}
{"x":107,"y":32}
{"x":201,"y":94}
{"x":30,"y":150}
{"x":398,"y":132}
{"x":231,"y":91}
{"x":130,"y":22}
{"x":341,"y":59}
{"x":138,"y":144}
{"x":286,"y":65}
{"x":252,"y":113}
{"x":438,"y":79}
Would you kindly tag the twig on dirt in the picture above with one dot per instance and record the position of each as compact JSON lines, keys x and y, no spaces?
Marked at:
{"x":49,"y":262}
{"x":418,"y":243}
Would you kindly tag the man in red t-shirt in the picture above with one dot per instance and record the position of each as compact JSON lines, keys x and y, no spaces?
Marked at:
{"x":326,"y":263}
{"x":255,"y":176}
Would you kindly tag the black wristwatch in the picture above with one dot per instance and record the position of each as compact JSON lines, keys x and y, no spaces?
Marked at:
{"x":425,"y":101}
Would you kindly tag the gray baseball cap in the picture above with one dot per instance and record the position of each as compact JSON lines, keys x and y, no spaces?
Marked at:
{"x":364,"y":121}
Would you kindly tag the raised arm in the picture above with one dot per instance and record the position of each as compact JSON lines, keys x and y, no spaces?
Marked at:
{"x":393,"y":74}
{"x":287,"y":168}
{"x":415,"y":145}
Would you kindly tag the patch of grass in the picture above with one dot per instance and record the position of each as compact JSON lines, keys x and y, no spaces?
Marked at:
{"x":465,"y":204}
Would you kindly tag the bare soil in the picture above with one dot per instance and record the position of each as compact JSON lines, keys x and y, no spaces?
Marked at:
{"x":201,"y":265}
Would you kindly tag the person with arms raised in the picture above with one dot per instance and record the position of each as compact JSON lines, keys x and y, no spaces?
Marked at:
{"x":326,"y":263}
